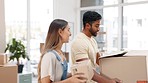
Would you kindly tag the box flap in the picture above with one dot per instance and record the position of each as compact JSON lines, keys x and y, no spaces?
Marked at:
{"x":137,"y":53}
{"x":8,"y":65}
{"x":126,"y":53}
{"x":114,"y":54}
{"x":3,"y":54}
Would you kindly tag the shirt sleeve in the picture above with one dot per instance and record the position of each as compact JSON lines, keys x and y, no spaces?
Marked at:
{"x":79,"y":51}
{"x":48,"y":66}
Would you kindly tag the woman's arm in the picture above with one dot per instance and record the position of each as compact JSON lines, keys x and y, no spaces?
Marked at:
{"x":78,"y":78}
{"x":46,"y":80}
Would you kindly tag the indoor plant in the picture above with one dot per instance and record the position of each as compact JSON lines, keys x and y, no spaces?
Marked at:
{"x":17,"y":50}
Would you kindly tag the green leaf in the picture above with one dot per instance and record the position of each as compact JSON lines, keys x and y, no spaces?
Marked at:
{"x":12,"y":58}
{"x":17,"y":50}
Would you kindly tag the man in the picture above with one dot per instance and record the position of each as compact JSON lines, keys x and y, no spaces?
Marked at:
{"x":84,"y":46}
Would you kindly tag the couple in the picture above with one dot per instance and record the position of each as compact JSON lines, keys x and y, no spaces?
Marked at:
{"x":52,"y":67}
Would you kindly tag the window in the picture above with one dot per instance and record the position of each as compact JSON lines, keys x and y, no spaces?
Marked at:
{"x":110,"y":19}
{"x":125,"y":22}
{"x":127,"y":1}
{"x":87,"y":3}
{"x":136,"y":27}
{"x":16,"y":19}
{"x":29,"y":21}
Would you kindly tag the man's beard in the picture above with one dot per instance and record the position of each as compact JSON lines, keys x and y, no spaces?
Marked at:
{"x":92,"y":32}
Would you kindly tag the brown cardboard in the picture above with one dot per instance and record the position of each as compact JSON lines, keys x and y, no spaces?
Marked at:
{"x":3,"y":58}
{"x":8,"y":74}
{"x":130,"y":68}
{"x":83,"y":67}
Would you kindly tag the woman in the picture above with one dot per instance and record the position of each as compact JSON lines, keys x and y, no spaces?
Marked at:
{"x":53,"y":66}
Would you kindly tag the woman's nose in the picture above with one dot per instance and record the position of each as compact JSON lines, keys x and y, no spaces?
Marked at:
{"x":70,"y":33}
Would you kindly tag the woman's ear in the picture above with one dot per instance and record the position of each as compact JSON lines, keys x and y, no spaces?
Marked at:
{"x":60,"y":32}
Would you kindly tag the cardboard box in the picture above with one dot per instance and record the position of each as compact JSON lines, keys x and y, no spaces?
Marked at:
{"x":8,"y":74}
{"x":130,"y":68}
{"x":83,"y":67}
{"x":3,"y":58}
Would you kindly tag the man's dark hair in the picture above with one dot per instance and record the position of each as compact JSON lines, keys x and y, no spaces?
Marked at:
{"x":90,"y":17}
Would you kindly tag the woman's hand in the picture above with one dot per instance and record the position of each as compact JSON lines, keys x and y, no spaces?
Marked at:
{"x":78,"y":78}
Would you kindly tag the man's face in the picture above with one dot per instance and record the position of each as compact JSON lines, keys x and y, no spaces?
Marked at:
{"x":94,"y":28}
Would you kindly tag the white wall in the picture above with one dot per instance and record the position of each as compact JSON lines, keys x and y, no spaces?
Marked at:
{"x":2,"y":27}
{"x":66,"y":9}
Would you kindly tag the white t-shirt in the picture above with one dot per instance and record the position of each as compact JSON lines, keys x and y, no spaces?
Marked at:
{"x":84,"y":47}
{"x":52,"y":67}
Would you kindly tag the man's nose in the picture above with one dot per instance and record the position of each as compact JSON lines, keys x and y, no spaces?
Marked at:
{"x":98,"y":29}
{"x":70,"y":34}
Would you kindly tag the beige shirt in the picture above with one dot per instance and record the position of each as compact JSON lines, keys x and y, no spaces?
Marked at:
{"x":84,"y":47}
{"x":50,"y":66}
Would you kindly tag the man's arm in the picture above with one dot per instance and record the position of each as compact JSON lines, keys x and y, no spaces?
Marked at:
{"x":101,"y":79}
{"x":97,"y":58}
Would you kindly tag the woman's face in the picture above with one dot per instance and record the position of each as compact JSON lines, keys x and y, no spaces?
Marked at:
{"x":65,"y":34}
